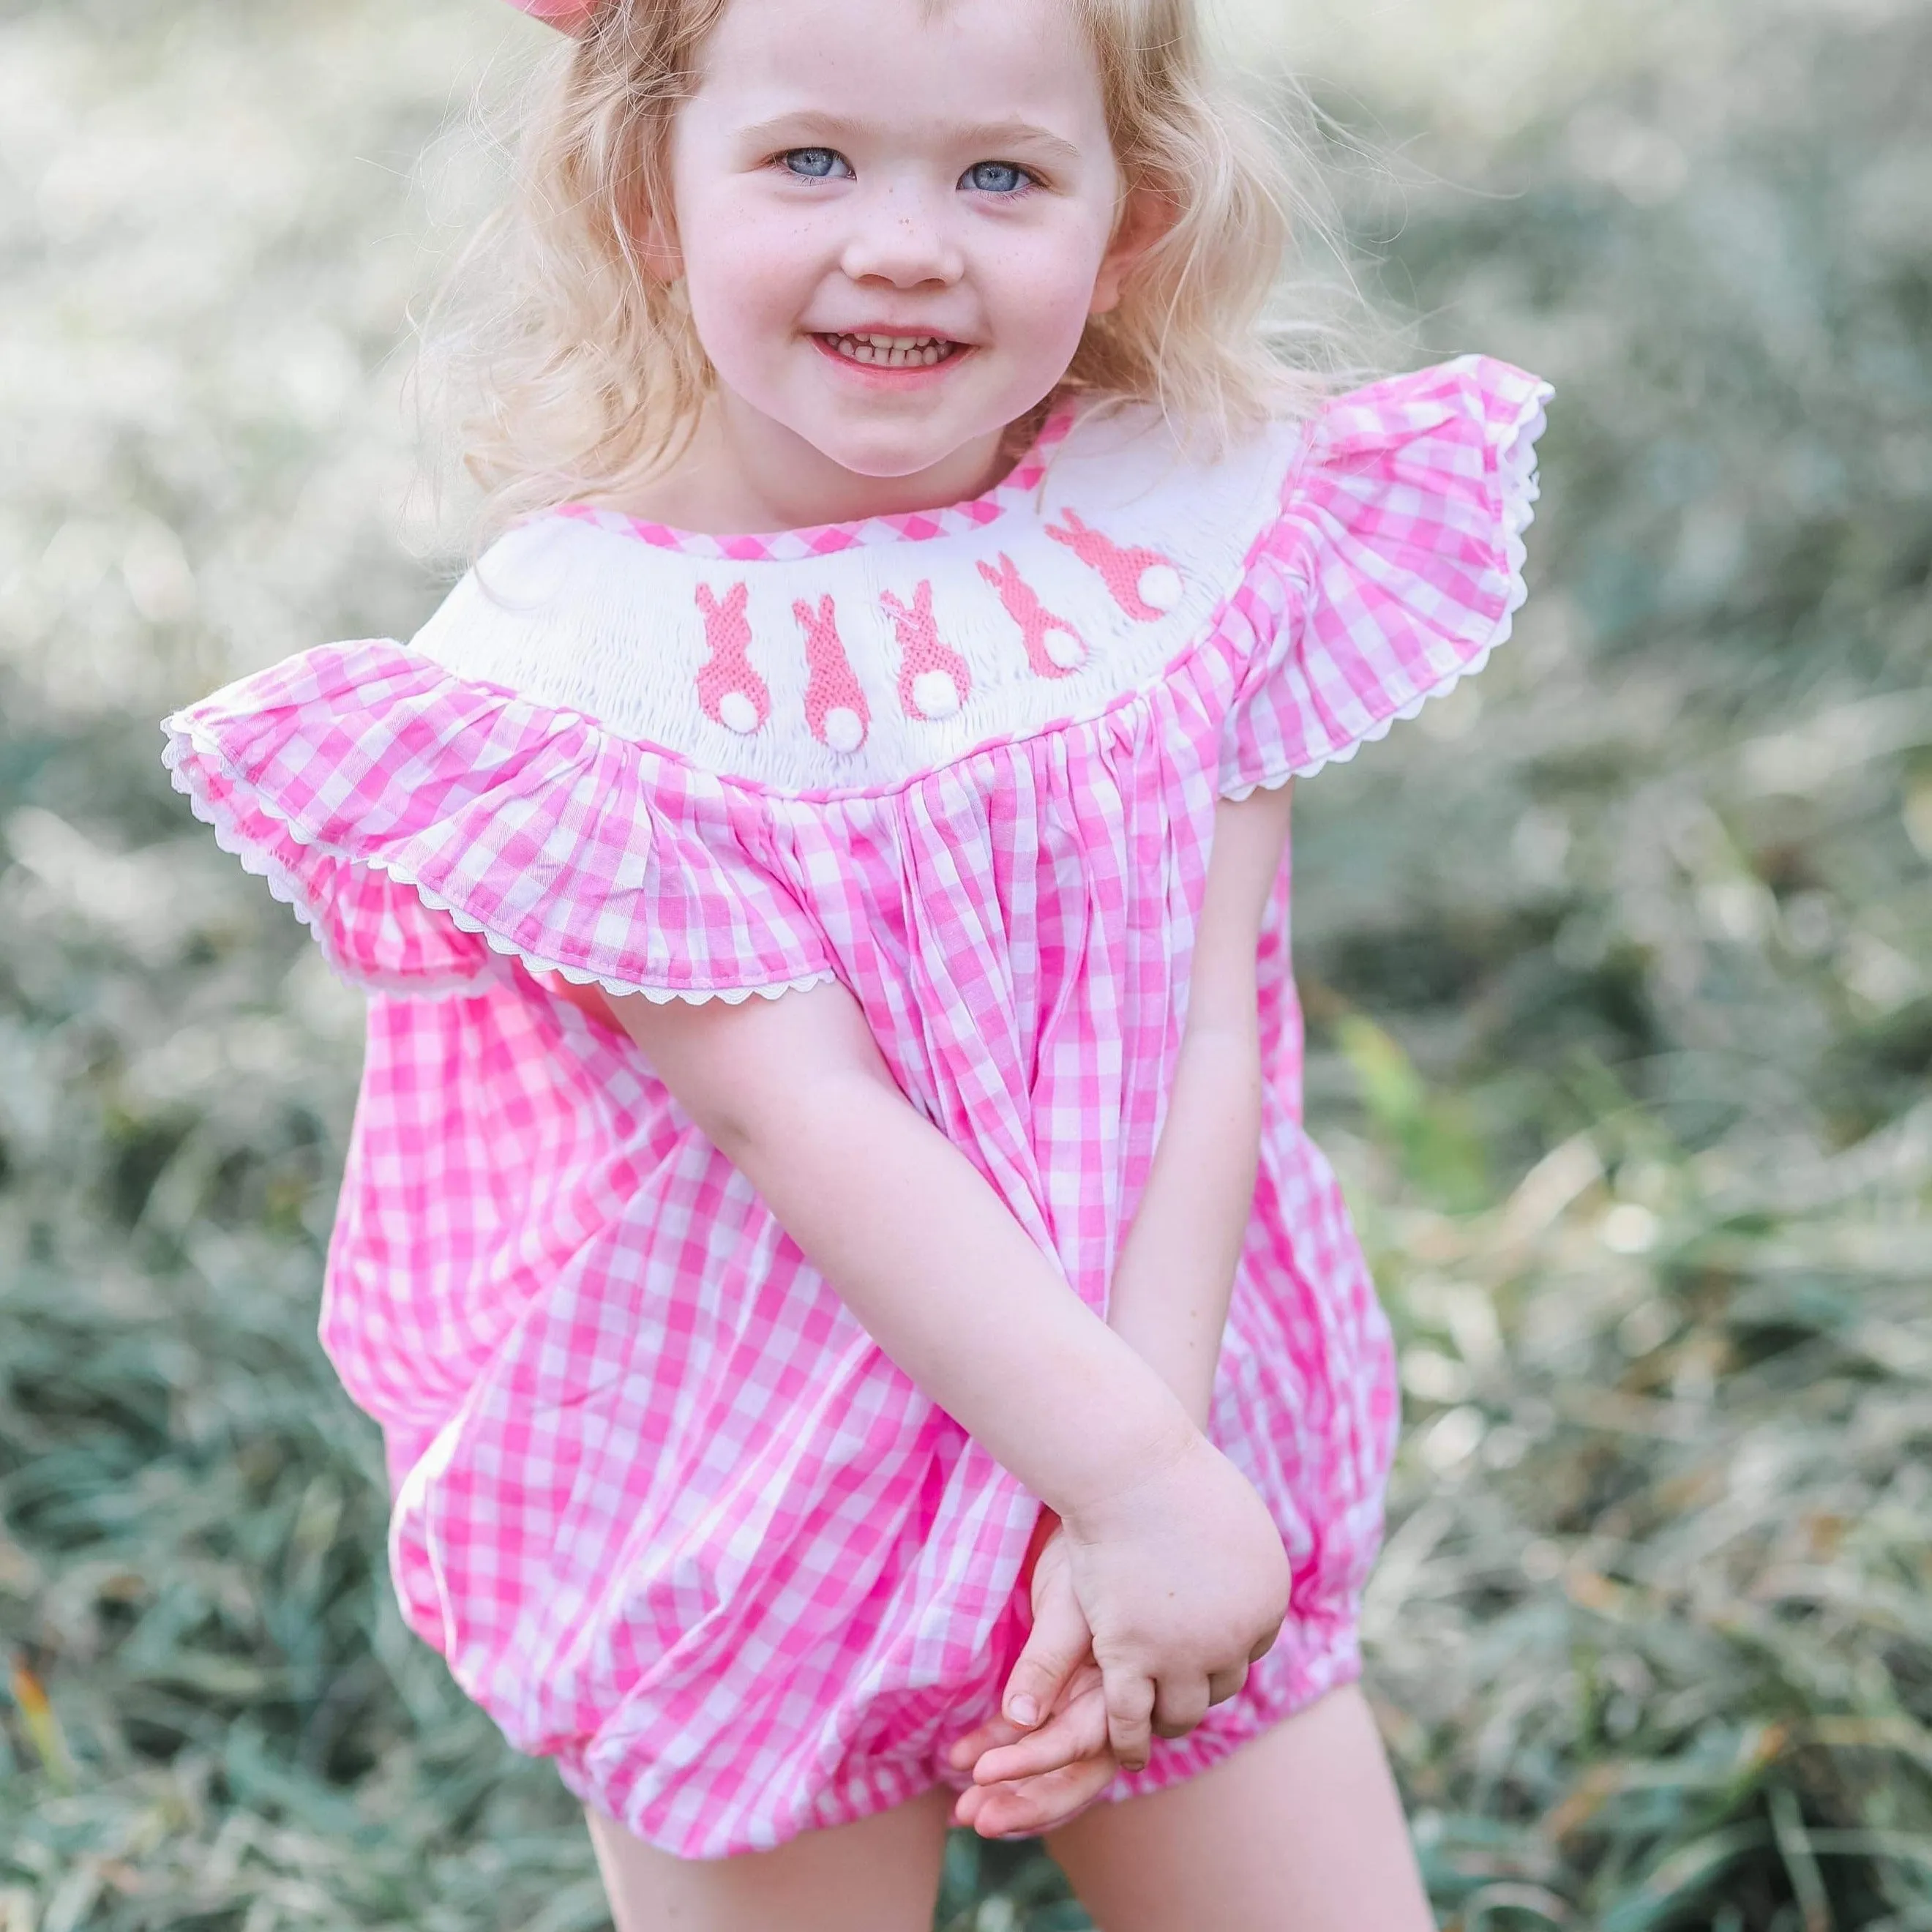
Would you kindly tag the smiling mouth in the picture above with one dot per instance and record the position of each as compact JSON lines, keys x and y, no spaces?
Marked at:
{"x":894,"y":352}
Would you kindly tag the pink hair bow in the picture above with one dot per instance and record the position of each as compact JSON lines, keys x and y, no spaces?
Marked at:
{"x":572,"y":16}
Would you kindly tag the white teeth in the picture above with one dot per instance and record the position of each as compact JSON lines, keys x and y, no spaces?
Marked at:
{"x":895,"y":351}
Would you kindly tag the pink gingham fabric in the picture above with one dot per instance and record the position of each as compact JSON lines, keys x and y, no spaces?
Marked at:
{"x":669,"y":1515}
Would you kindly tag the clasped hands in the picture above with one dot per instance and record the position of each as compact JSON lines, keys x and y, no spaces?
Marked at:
{"x":1148,"y":1606}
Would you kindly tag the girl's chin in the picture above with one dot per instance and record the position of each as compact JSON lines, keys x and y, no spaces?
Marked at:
{"x":893,"y":451}
{"x":905,"y":462}
{"x":886,"y":439}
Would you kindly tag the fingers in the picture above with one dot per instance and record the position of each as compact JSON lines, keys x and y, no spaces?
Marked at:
{"x":1178,"y":1708}
{"x":1086,"y":1731}
{"x":1226,"y":1683}
{"x":995,"y":1734}
{"x":1129,"y":1696}
{"x":1034,"y":1804}
{"x":999,"y":1751}
{"x":1078,"y":1730}
{"x":1055,"y":1647}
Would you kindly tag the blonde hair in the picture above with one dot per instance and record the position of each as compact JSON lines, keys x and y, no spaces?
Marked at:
{"x":585,"y":369}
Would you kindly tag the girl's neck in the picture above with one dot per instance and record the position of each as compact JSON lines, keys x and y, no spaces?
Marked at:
{"x":743,"y":474}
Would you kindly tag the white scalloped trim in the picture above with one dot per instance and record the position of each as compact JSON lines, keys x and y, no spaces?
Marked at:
{"x":1515,"y":443}
{"x":283,"y":886}
{"x":1514,"y":440}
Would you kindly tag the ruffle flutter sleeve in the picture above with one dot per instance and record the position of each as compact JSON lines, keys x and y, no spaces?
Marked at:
{"x":425,"y":825}
{"x":1394,"y":569}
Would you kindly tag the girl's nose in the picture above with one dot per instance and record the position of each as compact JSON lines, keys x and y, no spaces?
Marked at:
{"x":898,"y":236}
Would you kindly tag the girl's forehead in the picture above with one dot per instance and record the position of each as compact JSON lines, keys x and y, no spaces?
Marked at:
{"x":972,"y":62}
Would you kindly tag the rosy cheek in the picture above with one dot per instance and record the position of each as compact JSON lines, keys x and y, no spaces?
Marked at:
{"x":738,"y":287}
{"x":1048,"y":297}
{"x":1049,"y":269}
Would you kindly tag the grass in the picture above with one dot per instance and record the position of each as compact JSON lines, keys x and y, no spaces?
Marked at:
{"x":1619,"y":966}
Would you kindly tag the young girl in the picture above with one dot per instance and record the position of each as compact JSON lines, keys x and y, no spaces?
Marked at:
{"x":946,"y":1383}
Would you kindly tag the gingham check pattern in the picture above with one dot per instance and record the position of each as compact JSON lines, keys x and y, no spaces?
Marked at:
{"x":667,"y":1511}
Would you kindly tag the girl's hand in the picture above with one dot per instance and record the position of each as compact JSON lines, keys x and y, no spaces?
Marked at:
{"x":1182,"y":1579}
{"x":1030,"y":1778}
{"x":1025,"y":1783}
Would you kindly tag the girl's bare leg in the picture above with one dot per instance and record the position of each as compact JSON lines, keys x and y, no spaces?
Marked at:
{"x":1298,"y":1831}
{"x":879,"y":1875}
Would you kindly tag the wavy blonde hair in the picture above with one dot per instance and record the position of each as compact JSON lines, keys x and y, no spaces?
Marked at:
{"x":583,"y":372}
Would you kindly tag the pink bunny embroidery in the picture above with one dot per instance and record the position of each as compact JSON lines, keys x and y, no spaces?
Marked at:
{"x":934,"y":680}
{"x":1144,"y":583}
{"x":1053,"y":646}
{"x":732,"y":694}
{"x":834,"y":705}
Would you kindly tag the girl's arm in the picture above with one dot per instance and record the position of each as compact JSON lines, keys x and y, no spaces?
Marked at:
{"x":1169,"y":1300}
{"x":1176,"y":1267}
{"x":1175,"y":1271}
{"x":794,"y":1092}
{"x":1178,"y":1568}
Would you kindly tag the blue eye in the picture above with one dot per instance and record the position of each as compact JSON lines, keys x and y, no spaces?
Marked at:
{"x":816,"y":164}
{"x":996,"y":178}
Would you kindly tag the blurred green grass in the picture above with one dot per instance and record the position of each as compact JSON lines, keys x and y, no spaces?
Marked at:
{"x":1619,"y":964}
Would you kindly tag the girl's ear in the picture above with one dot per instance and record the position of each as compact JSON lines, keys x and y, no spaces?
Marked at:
{"x":657,"y":248}
{"x":1148,"y":213}
{"x":643,"y":213}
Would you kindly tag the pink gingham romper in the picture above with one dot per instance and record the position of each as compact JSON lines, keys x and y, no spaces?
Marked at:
{"x":669,"y":1514}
